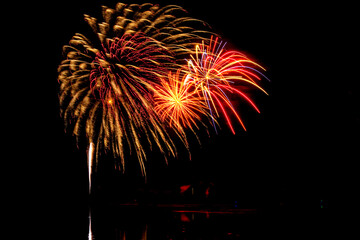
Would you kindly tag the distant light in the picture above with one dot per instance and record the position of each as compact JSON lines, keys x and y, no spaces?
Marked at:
{"x":323,"y":204}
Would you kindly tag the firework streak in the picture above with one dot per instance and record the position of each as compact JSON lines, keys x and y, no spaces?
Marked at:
{"x":215,"y":73}
{"x":146,"y":71}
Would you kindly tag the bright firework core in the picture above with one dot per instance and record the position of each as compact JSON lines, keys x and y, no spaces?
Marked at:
{"x":177,"y":103}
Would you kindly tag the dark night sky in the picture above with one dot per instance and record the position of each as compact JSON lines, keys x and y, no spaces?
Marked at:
{"x":298,"y":147}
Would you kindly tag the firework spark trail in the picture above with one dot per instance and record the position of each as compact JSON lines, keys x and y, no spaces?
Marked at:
{"x":90,"y":163}
{"x":123,"y":72}
{"x":179,"y":104}
{"x":216,"y":73}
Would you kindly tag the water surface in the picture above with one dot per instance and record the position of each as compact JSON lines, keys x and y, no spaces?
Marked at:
{"x":172,"y":222}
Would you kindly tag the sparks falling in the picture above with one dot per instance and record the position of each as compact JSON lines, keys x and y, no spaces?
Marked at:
{"x":179,"y":104}
{"x":90,"y":163}
{"x":218,"y":73}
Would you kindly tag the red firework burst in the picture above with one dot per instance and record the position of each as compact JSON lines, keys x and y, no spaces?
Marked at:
{"x":128,"y":67}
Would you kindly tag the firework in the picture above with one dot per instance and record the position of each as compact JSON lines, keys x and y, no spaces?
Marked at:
{"x":216,"y":73}
{"x":178,"y":104}
{"x":107,"y":80}
{"x":166,"y":24}
{"x":145,"y":71}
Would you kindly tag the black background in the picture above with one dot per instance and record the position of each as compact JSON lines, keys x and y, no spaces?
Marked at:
{"x":299,"y":150}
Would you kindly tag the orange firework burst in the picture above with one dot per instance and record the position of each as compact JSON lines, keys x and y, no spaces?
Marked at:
{"x":179,"y":104}
{"x":215,"y":73}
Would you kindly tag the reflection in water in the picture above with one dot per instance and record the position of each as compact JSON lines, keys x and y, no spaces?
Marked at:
{"x":160,"y":224}
{"x":144,"y":235}
{"x":90,"y":235}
